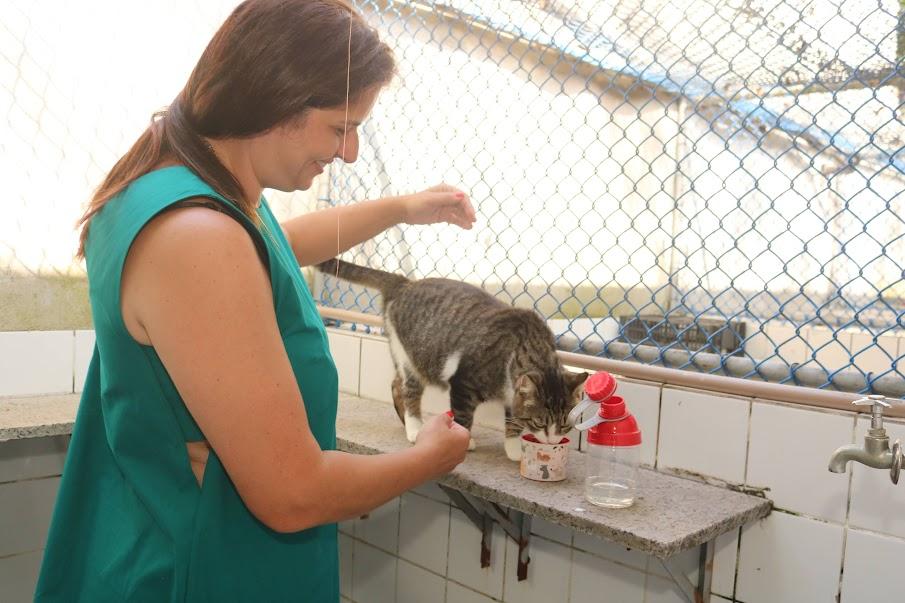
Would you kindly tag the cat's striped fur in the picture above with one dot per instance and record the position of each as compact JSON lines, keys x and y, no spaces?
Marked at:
{"x":457,"y":336}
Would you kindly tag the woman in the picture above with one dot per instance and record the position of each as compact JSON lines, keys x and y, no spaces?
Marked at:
{"x":202,"y":464}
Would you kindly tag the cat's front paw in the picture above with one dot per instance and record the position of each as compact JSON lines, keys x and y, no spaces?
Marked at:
{"x":412,"y":427}
{"x":514,"y":449}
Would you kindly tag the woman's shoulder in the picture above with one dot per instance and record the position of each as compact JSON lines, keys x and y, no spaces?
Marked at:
{"x":171,"y":209}
{"x":193,"y":224}
{"x":161,"y":188}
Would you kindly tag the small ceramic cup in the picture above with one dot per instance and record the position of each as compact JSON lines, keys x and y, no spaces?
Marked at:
{"x":543,"y":462}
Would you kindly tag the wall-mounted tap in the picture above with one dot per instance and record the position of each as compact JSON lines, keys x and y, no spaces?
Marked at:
{"x":876,"y":451}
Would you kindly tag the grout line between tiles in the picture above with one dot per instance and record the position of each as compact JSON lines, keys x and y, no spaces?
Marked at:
{"x":659,"y":422}
{"x":848,"y":510}
{"x":748,"y":442}
{"x":738,"y":557}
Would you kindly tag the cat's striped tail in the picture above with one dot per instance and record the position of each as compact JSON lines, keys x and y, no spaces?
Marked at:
{"x":385,"y":282}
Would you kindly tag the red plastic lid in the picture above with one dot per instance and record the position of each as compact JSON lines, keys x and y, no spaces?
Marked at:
{"x":621,"y":430}
{"x":600,"y":386}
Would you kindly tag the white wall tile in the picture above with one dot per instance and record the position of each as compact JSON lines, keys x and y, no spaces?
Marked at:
{"x":873,"y":568}
{"x":346,"y":555}
{"x":381,"y":527}
{"x":32,"y":457}
{"x":25,"y":517}
{"x":612,"y":551}
{"x":548,"y":573}
{"x":718,"y":599}
{"x":36,"y":362}
{"x":662,"y":590}
{"x":788,"y":453}
{"x":416,"y":585}
{"x":377,"y":371}
{"x":432,"y":491}
{"x":373,"y":575}
{"x":551,"y":531}
{"x":575,"y":436}
{"x":19,"y":576}
{"x":876,"y":503}
{"x":688,"y":562}
{"x":346,"y":351}
{"x":575,"y":439}
{"x":643,"y":401}
{"x":424,"y":532}
{"x":459,"y":594}
{"x":725,"y":559}
{"x":704,"y":433}
{"x":347,"y":527}
{"x":595,"y":579}
{"x":465,"y":556}
{"x":84,"y":348}
{"x":789,"y":559}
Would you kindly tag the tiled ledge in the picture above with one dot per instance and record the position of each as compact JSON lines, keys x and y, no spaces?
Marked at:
{"x":671,"y":514}
{"x":37,"y":416}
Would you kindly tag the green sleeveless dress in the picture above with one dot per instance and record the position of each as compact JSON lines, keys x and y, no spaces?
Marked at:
{"x":131,"y":522}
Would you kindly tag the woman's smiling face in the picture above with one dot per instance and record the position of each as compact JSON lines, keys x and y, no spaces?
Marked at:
{"x":290,"y":156}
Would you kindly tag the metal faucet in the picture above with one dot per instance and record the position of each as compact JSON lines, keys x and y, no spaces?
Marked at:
{"x":876,"y":451}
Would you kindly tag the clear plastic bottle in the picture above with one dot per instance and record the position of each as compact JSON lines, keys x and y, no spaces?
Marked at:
{"x":614,"y":445}
{"x":612,"y":472}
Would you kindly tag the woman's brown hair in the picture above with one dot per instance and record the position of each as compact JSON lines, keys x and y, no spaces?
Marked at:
{"x":269,"y":62}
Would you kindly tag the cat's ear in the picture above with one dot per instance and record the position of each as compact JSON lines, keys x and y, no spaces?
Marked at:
{"x":575,"y":383}
{"x":526,"y":386}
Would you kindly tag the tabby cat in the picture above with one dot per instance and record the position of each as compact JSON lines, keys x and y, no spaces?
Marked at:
{"x":459,"y":337}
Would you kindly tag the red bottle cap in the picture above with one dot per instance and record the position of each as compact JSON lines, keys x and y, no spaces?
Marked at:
{"x":620,"y":428}
{"x":600,"y":386}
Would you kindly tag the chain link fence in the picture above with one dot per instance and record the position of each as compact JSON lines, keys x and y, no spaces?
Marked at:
{"x":707,"y":185}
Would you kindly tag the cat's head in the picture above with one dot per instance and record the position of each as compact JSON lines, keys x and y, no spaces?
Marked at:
{"x":542,"y":402}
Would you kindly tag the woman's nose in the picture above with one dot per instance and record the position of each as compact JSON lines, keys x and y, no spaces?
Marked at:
{"x":348,"y":149}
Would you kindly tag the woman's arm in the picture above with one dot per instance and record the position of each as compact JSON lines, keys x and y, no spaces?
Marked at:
{"x":203,"y":299}
{"x":320,"y":235}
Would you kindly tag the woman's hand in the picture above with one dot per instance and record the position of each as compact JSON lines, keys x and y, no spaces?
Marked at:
{"x":444,"y":442}
{"x":441,"y":203}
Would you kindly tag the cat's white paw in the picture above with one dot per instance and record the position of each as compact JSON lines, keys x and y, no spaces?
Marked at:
{"x":412,"y":427}
{"x":514,"y":449}
{"x":471,"y":444}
